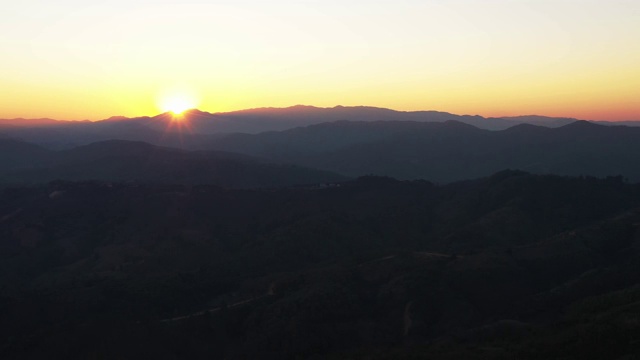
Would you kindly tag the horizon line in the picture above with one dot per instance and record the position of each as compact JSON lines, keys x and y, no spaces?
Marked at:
{"x":315,"y":107}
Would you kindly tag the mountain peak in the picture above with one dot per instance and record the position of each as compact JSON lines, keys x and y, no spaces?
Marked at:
{"x":526,"y":127}
{"x":191,"y":113}
{"x":302,"y":107}
{"x":195,"y":112}
{"x":581,"y":124}
{"x":117,"y":118}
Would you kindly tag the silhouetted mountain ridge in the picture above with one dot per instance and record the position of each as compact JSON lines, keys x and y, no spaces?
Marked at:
{"x":16,"y":154}
{"x":447,"y":151}
{"x":437,"y":151}
{"x":119,"y":160}
{"x":251,"y":121}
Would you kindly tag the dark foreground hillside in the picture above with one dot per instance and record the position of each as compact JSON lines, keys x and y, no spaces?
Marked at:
{"x":510,"y":266}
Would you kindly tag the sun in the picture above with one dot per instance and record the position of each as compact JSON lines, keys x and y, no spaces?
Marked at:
{"x":178,"y":104}
{"x":177,"y":101}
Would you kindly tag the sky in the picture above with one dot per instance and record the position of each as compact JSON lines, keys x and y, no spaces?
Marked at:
{"x":77,"y":59}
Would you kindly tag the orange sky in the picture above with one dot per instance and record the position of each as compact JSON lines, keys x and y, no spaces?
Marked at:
{"x":77,"y":60}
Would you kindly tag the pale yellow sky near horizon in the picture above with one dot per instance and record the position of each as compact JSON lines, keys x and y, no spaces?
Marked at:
{"x":77,"y":60}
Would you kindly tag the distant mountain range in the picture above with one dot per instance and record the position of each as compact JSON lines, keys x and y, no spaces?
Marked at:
{"x":350,"y":141}
{"x":448,"y":151}
{"x":66,"y":134}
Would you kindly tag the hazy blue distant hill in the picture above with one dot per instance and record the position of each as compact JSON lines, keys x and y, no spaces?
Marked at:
{"x":283,"y":118}
{"x":163,"y":129}
{"x":20,"y":122}
{"x":259,"y":120}
{"x":255,"y":121}
{"x":441,"y":151}
{"x":448,"y":151}
{"x":119,"y":160}
{"x":540,"y":120}
{"x":19,"y":154}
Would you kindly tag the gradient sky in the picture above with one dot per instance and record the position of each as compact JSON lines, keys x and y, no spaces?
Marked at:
{"x":91,"y":60}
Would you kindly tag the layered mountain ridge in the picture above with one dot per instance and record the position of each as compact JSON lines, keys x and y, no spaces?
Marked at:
{"x":437,"y":151}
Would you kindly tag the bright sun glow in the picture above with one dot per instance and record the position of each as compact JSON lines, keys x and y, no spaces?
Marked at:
{"x":177,"y":102}
{"x":178,"y":105}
